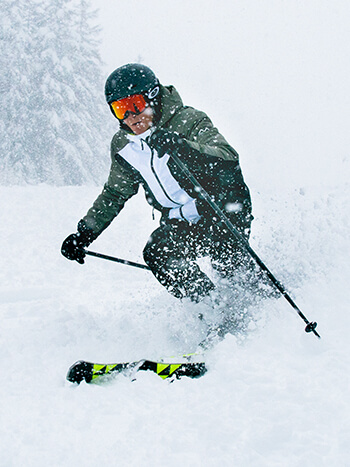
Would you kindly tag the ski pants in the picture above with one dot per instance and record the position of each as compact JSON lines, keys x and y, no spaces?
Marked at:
{"x":173,"y":248}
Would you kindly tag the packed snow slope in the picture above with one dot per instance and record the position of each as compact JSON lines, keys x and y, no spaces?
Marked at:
{"x":273,"y":397}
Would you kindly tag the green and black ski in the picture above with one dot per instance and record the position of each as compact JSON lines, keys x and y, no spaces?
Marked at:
{"x":91,"y":372}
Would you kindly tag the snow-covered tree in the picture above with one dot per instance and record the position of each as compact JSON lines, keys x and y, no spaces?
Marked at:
{"x":55,"y":126}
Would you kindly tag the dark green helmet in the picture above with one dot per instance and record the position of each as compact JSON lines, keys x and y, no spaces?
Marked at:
{"x":131,"y":79}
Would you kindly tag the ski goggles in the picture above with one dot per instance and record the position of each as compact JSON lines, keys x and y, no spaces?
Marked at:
{"x":135,"y":104}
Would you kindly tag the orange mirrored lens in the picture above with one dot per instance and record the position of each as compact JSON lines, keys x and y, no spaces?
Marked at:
{"x":135,"y":104}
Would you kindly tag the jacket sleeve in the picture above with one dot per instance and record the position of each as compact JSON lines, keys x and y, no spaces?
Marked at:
{"x":121,"y":185}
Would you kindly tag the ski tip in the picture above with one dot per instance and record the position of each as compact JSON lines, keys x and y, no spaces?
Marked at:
{"x":80,"y":371}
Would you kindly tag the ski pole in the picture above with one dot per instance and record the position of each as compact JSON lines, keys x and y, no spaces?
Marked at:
{"x":117,"y":260}
{"x":310,"y":326}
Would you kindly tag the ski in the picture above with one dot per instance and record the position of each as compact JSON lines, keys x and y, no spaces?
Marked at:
{"x":92,"y":372}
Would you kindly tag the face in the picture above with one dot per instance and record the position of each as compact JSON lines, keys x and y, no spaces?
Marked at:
{"x":141,"y":122}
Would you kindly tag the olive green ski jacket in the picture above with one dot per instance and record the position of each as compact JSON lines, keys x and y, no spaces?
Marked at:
{"x":193,"y":125}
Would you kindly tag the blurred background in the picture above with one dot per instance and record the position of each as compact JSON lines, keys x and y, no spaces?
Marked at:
{"x":273,"y":76}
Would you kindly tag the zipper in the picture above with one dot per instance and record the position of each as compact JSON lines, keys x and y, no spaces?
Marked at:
{"x":158,"y":180}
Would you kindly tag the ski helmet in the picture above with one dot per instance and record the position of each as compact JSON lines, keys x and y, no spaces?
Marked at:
{"x":129,"y":80}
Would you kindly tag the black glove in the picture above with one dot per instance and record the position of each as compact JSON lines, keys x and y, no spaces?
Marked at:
{"x":168,"y":142}
{"x":73,"y":246}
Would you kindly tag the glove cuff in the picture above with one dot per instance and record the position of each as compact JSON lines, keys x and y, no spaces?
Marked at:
{"x":86,"y":235}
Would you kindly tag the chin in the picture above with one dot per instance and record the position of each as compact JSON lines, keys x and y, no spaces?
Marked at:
{"x":140,"y":130}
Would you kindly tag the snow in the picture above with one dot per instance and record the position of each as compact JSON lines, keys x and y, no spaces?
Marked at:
{"x":277,"y":397}
{"x":274,"y":79}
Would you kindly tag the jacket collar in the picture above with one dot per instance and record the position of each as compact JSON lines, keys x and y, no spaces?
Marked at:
{"x":171,"y":102}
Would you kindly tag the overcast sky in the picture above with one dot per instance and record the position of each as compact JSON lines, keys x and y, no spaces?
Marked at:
{"x":273,"y":75}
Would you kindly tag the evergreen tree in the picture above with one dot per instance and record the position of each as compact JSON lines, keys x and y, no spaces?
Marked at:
{"x":12,"y":80}
{"x":55,"y":126}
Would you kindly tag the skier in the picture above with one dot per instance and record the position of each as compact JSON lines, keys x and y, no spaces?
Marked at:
{"x":154,"y":125}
